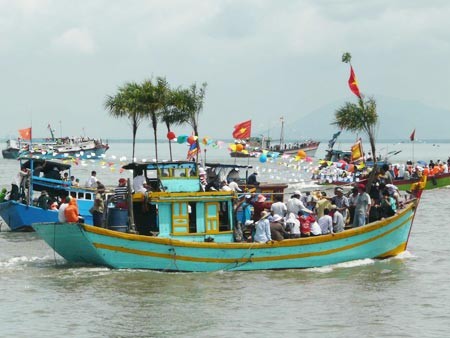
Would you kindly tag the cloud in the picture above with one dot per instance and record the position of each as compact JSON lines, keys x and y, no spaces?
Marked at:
{"x":75,"y":39}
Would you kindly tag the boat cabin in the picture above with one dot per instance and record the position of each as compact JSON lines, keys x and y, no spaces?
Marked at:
{"x":47,"y":175}
{"x":217,"y":172}
{"x":177,"y":207}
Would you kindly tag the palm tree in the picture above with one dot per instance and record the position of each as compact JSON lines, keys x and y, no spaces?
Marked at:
{"x":361,"y":117}
{"x":150,"y":108}
{"x":172,"y":112}
{"x":125,"y":103}
{"x":194,"y":97}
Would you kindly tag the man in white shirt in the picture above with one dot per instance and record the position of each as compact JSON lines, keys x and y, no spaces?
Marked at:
{"x":139,"y":182}
{"x":338,"y":220}
{"x":278,"y":208}
{"x":62,"y":207}
{"x":294,"y":204}
{"x":92,"y":181}
{"x":326,"y":222}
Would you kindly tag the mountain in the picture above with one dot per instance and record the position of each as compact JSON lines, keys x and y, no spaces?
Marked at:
{"x":397,"y":119}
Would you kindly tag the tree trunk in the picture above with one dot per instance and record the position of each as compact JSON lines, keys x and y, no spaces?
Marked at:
{"x":134,"y":140}
{"x":156,"y":143}
{"x":373,"y":173}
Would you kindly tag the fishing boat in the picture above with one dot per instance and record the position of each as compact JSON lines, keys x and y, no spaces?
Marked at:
{"x":56,"y":148}
{"x":21,"y":213}
{"x":63,"y":148}
{"x":255,"y":146}
{"x":11,"y":151}
{"x":179,"y":227}
{"x":337,"y":175}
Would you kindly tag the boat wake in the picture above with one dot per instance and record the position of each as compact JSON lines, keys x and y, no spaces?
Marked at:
{"x":360,"y":262}
{"x":22,"y":261}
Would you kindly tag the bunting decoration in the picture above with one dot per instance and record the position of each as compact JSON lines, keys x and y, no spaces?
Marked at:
{"x":353,"y":83}
{"x":242,"y":130}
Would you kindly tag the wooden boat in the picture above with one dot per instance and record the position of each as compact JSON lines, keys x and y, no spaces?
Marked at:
{"x":20,"y":214}
{"x":433,"y":182}
{"x":63,"y":148}
{"x":56,"y":148}
{"x":256,"y":146}
{"x":11,"y":151}
{"x":182,"y":228}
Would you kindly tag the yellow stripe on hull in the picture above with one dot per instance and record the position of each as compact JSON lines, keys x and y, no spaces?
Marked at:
{"x":258,"y":246}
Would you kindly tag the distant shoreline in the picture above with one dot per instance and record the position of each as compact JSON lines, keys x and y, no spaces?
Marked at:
{"x":115,"y":140}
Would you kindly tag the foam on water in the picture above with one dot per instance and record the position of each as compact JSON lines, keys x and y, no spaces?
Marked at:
{"x":21,"y":261}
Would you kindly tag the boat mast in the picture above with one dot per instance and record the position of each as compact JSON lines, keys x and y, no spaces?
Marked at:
{"x":282,"y":132}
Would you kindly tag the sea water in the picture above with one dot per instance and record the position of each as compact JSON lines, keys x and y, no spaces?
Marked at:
{"x":406,"y":296}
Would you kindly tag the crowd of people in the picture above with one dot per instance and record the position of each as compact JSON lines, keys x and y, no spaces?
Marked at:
{"x":343,"y":172}
{"x":314,"y":213}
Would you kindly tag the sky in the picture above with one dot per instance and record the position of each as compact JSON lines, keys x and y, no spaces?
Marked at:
{"x":260,"y":59}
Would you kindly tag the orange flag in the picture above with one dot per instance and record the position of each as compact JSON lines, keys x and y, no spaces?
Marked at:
{"x":353,"y":83}
{"x":242,"y":130}
{"x":25,"y":134}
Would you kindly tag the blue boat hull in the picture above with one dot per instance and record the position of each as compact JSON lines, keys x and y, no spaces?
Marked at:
{"x":19,"y":216}
{"x":98,"y":246}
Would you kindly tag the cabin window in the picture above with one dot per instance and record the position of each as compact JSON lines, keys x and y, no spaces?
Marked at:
{"x":224,"y":217}
{"x":212,"y":217}
{"x":180,"y":218}
{"x":192,"y":211}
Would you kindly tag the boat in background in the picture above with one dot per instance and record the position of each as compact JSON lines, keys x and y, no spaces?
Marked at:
{"x":20,"y":214}
{"x":56,"y":148}
{"x":179,"y":227}
{"x":254,"y":146}
{"x":12,"y":149}
{"x":63,"y":148}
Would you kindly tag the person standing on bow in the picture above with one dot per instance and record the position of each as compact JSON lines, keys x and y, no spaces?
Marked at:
{"x":18,"y":184}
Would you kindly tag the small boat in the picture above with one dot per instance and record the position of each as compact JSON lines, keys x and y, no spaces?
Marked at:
{"x":20,"y":214}
{"x":12,"y":149}
{"x":433,"y":182}
{"x":256,"y":146}
{"x":63,"y":148}
{"x":179,"y":227}
{"x":337,"y":156}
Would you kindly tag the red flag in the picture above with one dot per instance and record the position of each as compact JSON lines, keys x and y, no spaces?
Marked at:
{"x":353,"y":83}
{"x":242,"y":130}
{"x":25,"y":134}
{"x":413,"y":135}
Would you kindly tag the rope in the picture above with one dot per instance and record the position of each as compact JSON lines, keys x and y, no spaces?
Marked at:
{"x":172,"y":249}
{"x":54,"y":244}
